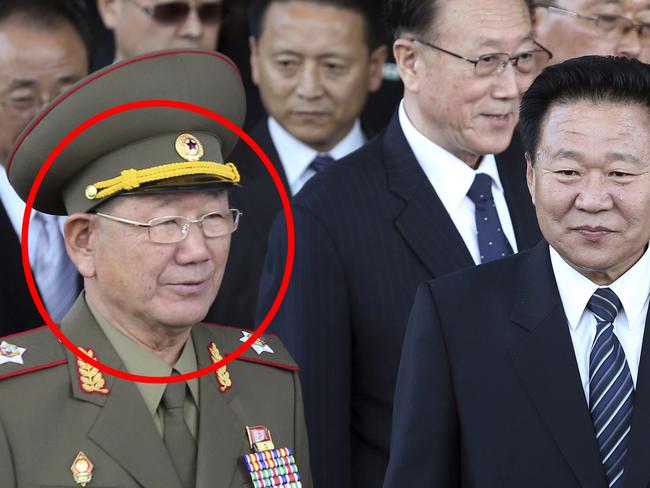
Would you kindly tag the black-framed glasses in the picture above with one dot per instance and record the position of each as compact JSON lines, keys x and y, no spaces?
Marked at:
{"x":609,"y":25}
{"x":169,"y":13}
{"x":173,"y":228}
{"x":488,"y":64}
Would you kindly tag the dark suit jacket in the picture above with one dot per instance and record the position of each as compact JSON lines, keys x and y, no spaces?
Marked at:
{"x":17,"y":309}
{"x":369,"y":230}
{"x":489,"y":393}
{"x":259,"y":201}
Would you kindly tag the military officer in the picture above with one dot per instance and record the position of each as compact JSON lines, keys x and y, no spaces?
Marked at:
{"x":133,"y":185}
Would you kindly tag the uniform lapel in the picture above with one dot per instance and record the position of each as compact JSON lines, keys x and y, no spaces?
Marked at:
{"x":221,"y":441}
{"x":546,"y":364}
{"x":423,"y":221}
{"x":123,"y":428}
{"x":637,"y":467}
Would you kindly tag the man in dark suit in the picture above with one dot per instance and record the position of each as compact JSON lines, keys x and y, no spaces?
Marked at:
{"x":530,"y":371}
{"x":45,"y":48}
{"x":314,"y":63}
{"x":394,"y":214}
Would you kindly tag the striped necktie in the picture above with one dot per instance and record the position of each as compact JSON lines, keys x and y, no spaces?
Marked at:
{"x":611,"y":390}
{"x":56,"y":276}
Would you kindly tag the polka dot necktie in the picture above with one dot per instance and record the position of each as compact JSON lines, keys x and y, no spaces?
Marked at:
{"x":492,"y":242}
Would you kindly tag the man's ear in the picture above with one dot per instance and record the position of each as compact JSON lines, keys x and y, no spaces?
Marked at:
{"x":530,"y":176}
{"x":108,"y":11}
{"x":80,"y":233}
{"x":406,"y":59}
{"x":254,"y":60}
{"x":376,"y":67}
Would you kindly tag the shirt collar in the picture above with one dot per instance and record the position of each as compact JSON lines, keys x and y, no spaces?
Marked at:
{"x":450,"y":176}
{"x":296,"y":156}
{"x":139,"y":360}
{"x":632,"y":288}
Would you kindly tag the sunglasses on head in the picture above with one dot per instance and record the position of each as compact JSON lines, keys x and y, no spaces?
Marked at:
{"x":177,"y":12}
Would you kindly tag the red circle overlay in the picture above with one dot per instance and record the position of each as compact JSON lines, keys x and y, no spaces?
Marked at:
{"x":285,"y":207}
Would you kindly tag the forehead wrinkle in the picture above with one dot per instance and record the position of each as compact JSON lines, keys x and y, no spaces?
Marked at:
{"x":493,"y":43}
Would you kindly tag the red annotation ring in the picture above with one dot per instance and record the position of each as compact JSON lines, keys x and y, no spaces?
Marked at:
{"x":285,"y":207}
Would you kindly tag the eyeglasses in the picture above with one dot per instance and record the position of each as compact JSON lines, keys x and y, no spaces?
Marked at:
{"x":488,"y":64}
{"x":171,"y":229}
{"x":23,"y":106}
{"x":169,"y":13}
{"x":613,"y":25}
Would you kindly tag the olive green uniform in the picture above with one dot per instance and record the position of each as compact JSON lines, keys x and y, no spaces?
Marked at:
{"x":47,"y":417}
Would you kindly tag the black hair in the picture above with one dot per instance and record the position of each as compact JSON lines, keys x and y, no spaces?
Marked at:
{"x":49,"y":14}
{"x":413,"y":16}
{"x":374,"y":32}
{"x":599,"y":79}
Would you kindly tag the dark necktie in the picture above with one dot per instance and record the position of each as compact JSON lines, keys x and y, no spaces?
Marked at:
{"x":177,"y":436}
{"x":320,"y":162}
{"x":611,"y":390}
{"x":492,"y":242}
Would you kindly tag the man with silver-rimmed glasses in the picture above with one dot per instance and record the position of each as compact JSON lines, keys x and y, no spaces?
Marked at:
{"x":425,"y":198}
{"x":573,"y":28}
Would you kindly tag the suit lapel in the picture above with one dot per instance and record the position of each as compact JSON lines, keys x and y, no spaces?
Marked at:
{"x":221,"y":439}
{"x":123,"y":427}
{"x":262,"y":201}
{"x":512,"y":173}
{"x":546,"y":364}
{"x":637,"y":467}
{"x":423,"y":221}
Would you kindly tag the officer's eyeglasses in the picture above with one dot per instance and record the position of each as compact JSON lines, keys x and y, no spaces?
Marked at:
{"x":494,"y":63}
{"x":171,"y":229}
{"x":169,"y":13}
{"x":607,"y":25}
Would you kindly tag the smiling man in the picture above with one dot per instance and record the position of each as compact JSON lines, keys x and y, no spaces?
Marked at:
{"x":534,"y":365}
{"x":423,"y":199}
{"x":149,"y":225}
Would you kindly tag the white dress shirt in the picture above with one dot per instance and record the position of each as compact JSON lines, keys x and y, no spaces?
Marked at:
{"x":451,"y":179}
{"x":295,"y":156}
{"x":633,"y":289}
{"x":15,"y":208}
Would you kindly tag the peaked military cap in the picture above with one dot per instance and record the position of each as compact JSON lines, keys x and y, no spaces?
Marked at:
{"x":142,"y":150}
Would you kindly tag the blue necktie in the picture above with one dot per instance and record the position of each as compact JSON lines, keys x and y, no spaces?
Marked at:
{"x":611,"y":390}
{"x":492,"y":242}
{"x":55,"y":274}
{"x":320,"y":162}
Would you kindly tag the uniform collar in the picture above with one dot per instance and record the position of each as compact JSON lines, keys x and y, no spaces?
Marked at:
{"x":139,"y":360}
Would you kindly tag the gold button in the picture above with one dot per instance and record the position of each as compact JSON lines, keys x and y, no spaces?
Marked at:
{"x":91,"y":192}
